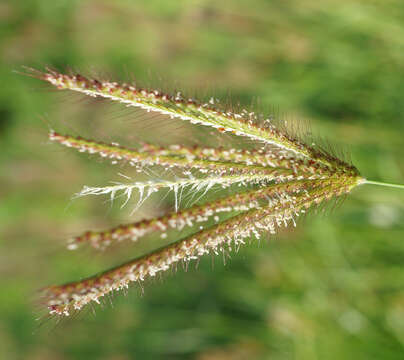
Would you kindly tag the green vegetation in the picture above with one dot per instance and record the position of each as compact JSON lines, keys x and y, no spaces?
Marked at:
{"x":330,"y":289}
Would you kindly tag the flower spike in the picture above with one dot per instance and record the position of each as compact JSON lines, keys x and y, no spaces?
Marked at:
{"x":267,"y":187}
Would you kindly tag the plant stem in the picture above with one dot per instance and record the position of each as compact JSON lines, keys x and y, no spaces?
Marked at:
{"x":383,"y":184}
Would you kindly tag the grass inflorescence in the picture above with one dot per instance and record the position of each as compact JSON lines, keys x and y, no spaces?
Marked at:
{"x":278,"y":180}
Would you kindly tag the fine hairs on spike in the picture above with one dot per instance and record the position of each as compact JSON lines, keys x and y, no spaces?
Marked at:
{"x":275,"y":183}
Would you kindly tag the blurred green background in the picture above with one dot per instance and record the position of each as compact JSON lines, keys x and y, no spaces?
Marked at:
{"x":333,"y":288}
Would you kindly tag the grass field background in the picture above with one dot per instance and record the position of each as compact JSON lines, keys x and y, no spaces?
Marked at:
{"x":333,"y":288}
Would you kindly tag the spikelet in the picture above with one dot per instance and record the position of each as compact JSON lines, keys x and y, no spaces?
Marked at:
{"x":276,"y":183}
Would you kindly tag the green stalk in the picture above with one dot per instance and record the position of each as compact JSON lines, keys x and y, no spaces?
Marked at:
{"x":379,"y":183}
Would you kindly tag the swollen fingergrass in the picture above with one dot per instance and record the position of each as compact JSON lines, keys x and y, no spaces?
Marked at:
{"x":276,"y":182}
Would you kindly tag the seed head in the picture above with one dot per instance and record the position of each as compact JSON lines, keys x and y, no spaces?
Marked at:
{"x":268,"y":187}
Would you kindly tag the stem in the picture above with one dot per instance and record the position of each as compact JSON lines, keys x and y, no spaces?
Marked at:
{"x":383,"y":184}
